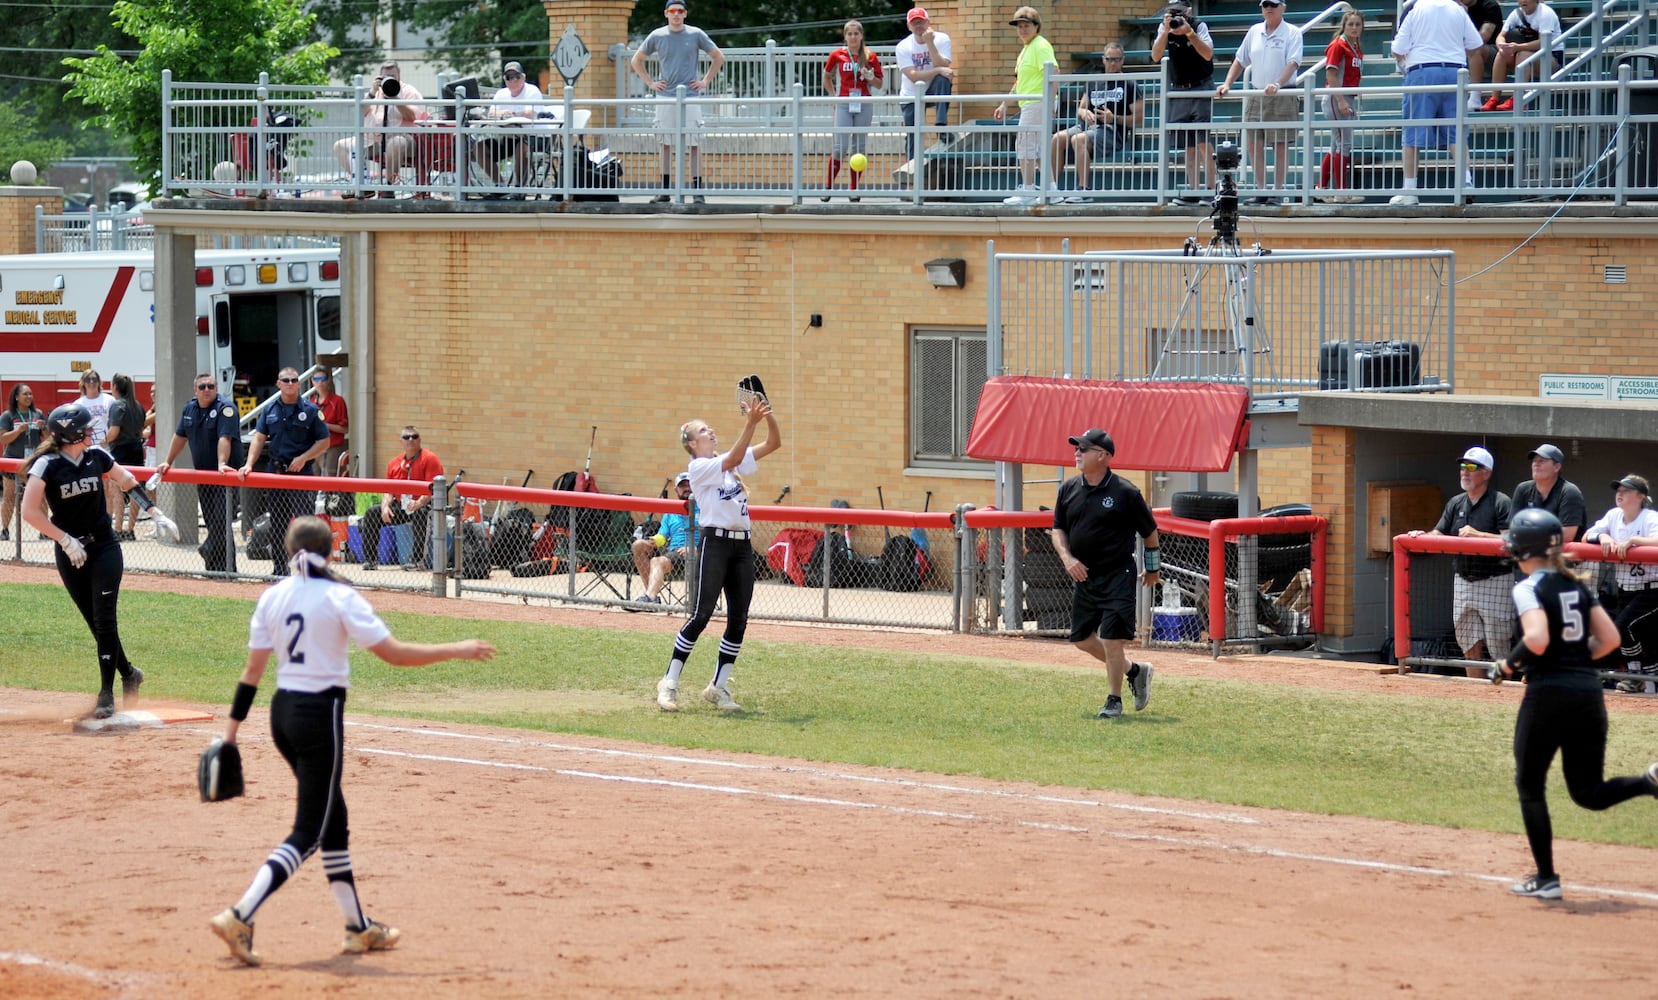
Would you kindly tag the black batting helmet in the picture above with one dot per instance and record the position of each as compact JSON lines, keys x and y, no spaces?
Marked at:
{"x":69,"y":423}
{"x":1532,"y":534}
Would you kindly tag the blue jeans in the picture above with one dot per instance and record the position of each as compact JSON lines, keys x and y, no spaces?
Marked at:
{"x":940,"y":86}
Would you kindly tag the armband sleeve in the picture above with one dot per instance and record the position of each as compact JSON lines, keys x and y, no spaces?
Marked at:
{"x":243,"y":700}
{"x":140,"y":496}
{"x":1154,"y":560}
{"x":1518,"y":657}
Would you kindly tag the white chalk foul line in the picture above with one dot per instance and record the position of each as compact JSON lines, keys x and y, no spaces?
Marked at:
{"x":1214,"y":817}
{"x":1187,"y":842}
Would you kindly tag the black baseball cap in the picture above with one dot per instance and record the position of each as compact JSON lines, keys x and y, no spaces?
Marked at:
{"x":1093,"y":437}
{"x":1549,"y":452}
{"x":1632,"y":482}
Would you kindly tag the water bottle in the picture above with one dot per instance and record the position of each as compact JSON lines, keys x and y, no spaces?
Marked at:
{"x":153,"y":482}
{"x":322,"y":504}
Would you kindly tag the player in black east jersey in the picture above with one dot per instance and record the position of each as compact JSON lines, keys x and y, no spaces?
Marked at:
{"x":1565,"y":631}
{"x":64,"y":500}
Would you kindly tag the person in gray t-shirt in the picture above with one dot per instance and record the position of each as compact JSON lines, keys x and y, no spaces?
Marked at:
{"x":677,"y":48}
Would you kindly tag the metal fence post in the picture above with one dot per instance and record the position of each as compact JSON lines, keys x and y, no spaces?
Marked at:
{"x":232,"y":498}
{"x":965,"y":598}
{"x":437,"y":537}
{"x":167,"y":172}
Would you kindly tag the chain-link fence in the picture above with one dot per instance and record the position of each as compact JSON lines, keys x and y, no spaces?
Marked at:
{"x":1425,"y":638}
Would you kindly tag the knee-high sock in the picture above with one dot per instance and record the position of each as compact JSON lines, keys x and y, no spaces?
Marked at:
{"x":282,"y":863}
{"x":834,"y":172}
{"x":337,"y":865}
{"x":727,"y":659}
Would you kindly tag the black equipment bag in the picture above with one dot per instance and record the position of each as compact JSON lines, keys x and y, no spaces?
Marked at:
{"x":510,"y":542}
{"x":1373,"y":365}
{"x":474,"y":550}
{"x":900,"y":564}
{"x":259,"y":540}
{"x":850,"y":569}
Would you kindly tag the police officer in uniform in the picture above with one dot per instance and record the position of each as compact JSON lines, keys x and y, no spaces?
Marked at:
{"x":1565,"y":630}
{"x":210,"y":426}
{"x":1096,"y":518}
{"x":293,"y":431}
{"x":64,"y":501}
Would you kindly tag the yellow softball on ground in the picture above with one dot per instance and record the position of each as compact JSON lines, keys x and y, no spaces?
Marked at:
{"x":858,"y":162}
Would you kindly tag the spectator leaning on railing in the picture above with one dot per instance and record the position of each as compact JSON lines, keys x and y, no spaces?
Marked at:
{"x":1190,"y":101}
{"x":1271,"y":52}
{"x":1522,"y":35}
{"x":1435,"y":40}
{"x":1034,"y":53}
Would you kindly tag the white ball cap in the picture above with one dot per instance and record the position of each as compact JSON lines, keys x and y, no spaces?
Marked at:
{"x":1480,"y":457}
{"x":23,"y":173}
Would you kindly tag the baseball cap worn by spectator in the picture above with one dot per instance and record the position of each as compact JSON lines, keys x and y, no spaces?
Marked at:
{"x":671,"y":4}
{"x":1549,"y":452}
{"x":1272,"y":3}
{"x":1480,"y":457}
{"x":1093,"y":437}
{"x":1026,"y":14}
{"x":683,"y":477}
{"x":1632,"y":482}
{"x":511,"y":70}
{"x":916,"y":14}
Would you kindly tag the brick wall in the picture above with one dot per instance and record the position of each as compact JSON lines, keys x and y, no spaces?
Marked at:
{"x":17,"y":215}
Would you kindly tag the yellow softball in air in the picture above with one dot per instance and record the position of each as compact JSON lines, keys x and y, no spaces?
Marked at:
{"x":858,"y":163}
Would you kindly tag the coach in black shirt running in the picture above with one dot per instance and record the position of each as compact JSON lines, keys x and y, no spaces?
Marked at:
{"x":1096,"y":518}
{"x":1565,"y":632}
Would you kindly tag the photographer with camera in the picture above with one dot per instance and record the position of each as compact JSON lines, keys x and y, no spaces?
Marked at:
{"x":1271,"y":52}
{"x":392,"y":151}
{"x":1522,"y":35}
{"x":1190,"y":101}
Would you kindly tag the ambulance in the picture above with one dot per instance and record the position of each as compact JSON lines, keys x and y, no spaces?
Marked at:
{"x":257,"y":311}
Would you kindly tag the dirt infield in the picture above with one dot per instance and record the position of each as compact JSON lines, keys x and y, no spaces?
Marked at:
{"x":527,"y":865}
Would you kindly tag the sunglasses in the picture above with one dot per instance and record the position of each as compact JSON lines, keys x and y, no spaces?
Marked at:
{"x":411,"y":437}
{"x":1083,"y":451}
{"x":287,"y":381}
{"x":1469,"y":466}
{"x":206,"y":385}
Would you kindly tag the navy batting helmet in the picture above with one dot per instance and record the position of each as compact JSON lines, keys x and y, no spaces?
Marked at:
{"x":1532,"y":534}
{"x":69,"y":423}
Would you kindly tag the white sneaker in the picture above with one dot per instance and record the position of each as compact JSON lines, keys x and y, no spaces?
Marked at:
{"x":1026,"y":196}
{"x":667,"y":694}
{"x":1402,"y":199}
{"x":720,"y":698}
{"x":1475,"y":101}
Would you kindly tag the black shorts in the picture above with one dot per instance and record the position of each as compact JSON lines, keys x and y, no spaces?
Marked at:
{"x":1104,"y":605}
{"x":1188,"y":111}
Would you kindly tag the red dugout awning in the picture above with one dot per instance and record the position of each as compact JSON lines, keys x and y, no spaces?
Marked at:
{"x":1167,"y":426}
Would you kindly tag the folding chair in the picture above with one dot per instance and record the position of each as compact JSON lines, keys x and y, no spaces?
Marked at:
{"x":604,"y":549}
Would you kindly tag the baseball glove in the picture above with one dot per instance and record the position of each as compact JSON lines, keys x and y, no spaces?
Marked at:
{"x":219,"y":773}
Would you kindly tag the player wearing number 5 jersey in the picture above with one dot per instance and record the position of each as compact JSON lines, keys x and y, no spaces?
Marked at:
{"x":1565,"y":632}
{"x":307,"y":621}
{"x":726,"y":563}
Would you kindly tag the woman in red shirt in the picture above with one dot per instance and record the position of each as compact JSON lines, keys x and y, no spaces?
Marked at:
{"x":1342,"y":61}
{"x":851,"y":71}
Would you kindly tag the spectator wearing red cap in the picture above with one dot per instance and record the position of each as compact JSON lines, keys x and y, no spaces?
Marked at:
{"x":925,"y":62}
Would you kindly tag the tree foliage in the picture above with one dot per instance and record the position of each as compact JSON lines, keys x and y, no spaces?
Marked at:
{"x":21,"y":138}
{"x":200,"y":41}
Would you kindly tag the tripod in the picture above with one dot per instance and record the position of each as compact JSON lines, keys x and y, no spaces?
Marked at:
{"x":1230,"y":350}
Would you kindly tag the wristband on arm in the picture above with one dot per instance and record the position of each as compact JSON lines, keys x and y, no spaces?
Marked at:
{"x":243,"y":700}
{"x":1154,"y":561}
{"x":140,"y":496}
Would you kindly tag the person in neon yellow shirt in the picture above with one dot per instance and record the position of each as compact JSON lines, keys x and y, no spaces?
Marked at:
{"x":1035,"y":53}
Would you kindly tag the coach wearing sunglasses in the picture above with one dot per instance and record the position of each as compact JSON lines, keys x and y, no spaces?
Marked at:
{"x":210,"y":426}
{"x":1482,"y":602}
{"x":293,"y":431}
{"x":419,"y":465}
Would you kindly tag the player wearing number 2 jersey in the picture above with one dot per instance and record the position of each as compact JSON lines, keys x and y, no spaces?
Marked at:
{"x":1565,"y":631}
{"x":308,"y":620}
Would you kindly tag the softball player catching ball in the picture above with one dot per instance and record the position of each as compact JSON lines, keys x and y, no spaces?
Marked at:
{"x":64,"y":500}
{"x":727,"y":562}
{"x":307,"y":620}
{"x":1565,"y":631}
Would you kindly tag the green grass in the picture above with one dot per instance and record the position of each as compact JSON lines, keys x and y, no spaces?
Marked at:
{"x":1415,"y":759}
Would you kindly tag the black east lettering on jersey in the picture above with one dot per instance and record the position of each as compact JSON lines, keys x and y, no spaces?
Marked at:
{"x":75,"y":493}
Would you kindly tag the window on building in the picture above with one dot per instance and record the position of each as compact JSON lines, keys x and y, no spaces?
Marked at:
{"x":946,"y":376}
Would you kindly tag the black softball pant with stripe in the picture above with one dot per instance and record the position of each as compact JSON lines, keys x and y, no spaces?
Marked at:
{"x":95,"y":587}
{"x":309,"y":730}
{"x":1572,"y":721}
{"x":726,"y":566}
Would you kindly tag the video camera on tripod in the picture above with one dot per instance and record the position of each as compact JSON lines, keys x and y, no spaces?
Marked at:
{"x":1224,"y":213}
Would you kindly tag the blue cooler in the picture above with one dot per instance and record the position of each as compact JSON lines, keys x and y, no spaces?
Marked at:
{"x":1174,"y":624}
